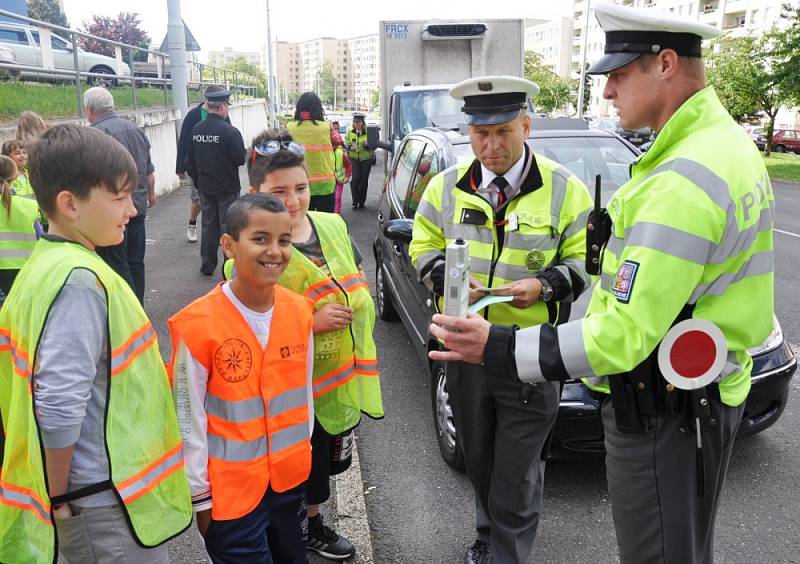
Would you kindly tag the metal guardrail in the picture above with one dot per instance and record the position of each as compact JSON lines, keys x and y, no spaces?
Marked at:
{"x":240,"y":83}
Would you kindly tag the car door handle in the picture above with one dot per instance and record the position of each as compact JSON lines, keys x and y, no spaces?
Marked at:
{"x":398,"y":250}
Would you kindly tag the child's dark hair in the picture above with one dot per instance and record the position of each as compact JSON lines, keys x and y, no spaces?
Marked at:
{"x":8,"y":172}
{"x":78,"y":158}
{"x":237,"y":217}
{"x":10,"y":146}
{"x":259,"y":166}
{"x":309,"y":102}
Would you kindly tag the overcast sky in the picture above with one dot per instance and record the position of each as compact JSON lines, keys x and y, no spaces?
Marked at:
{"x":241,"y":24}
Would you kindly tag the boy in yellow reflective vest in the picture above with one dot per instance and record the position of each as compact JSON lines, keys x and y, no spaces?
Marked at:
{"x":325,"y":268}
{"x":92,"y":461}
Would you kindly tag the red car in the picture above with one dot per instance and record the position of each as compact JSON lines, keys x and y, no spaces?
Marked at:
{"x":783,"y":140}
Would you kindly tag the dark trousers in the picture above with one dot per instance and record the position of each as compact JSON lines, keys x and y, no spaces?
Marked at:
{"x":652,"y":484}
{"x":213,"y":207}
{"x":503,"y":427}
{"x":275,"y":531}
{"x":360,"y":181}
{"x":127,"y":258}
{"x":326,"y":203}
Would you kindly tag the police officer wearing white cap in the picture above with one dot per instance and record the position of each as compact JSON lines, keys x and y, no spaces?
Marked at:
{"x":689,"y":245}
{"x":523,"y":217}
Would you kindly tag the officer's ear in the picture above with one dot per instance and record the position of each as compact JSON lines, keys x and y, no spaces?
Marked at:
{"x":251,"y":190}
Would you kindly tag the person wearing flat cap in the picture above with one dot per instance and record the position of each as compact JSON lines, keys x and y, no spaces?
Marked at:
{"x":523,"y":217}
{"x":685,"y":289}
{"x":215,"y":154}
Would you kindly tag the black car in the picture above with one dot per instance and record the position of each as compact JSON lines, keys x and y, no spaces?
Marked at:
{"x":586,"y":152}
{"x":635,"y":137}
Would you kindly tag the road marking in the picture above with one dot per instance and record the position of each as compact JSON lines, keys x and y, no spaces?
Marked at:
{"x":786,"y":232}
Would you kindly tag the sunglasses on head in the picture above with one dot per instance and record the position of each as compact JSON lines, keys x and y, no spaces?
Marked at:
{"x":270,"y":147}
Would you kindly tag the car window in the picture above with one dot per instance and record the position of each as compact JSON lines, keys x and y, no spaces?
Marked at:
{"x":13,"y":36}
{"x":406,"y":165}
{"x":788,"y":135}
{"x":587,"y":157}
{"x":427,"y":168}
{"x":55,"y":41}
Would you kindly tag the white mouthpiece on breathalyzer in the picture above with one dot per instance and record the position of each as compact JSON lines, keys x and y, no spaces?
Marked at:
{"x":456,"y":282}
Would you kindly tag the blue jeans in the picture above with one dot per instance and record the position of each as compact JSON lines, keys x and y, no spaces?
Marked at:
{"x":275,"y":531}
{"x":127,"y":258}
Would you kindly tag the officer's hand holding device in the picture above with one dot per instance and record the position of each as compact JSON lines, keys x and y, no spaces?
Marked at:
{"x":526,"y":292}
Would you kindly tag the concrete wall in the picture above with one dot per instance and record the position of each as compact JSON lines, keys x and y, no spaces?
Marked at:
{"x":160,"y":126}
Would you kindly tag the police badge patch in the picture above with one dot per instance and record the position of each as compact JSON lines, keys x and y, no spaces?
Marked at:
{"x":623,"y":281}
{"x":534,"y":260}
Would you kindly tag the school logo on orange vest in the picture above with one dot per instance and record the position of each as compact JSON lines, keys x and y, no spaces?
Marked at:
{"x":290,"y":350}
{"x":233,"y":360}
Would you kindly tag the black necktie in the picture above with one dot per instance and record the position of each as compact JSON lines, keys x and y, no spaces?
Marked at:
{"x":501,"y":184}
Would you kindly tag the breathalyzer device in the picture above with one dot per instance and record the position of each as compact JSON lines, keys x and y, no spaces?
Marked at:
{"x":456,"y":282}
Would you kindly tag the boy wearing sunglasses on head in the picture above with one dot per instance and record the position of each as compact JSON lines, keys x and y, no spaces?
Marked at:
{"x":325,"y":267}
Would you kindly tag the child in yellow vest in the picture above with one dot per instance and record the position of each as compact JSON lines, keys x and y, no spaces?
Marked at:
{"x":16,"y":152}
{"x":93,"y":453}
{"x":241,"y":369}
{"x":20,"y":225}
{"x":324,"y":267}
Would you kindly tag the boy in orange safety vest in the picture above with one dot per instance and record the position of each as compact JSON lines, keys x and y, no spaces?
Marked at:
{"x":241,"y":368}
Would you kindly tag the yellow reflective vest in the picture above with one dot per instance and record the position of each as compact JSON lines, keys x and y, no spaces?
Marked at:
{"x":346,"y":376}
{"x":316,"y":140}
{"x":357,"y":145}
{"x":693,"y":226}
{"x":17,"y":232}
{"x":141,"y":430}
{"x":543,"y":228}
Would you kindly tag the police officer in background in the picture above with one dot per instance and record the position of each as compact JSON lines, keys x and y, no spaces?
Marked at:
{"x":523,"y":217}
{"x":690,"y":244}
{"x":217,"y":151}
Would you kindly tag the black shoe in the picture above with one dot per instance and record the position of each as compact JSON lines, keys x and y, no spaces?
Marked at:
{"x":354,"y":206}
{"x":206,"y":272}
{"x":479,"y":553}
{"x":326,"y":542}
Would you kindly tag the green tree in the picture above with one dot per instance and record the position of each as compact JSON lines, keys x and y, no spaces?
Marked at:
{"x":784,"y":51}
{"x":240,"y":65}
{"x":326,"y":83}
{"x":587,"y":91}
{"x":555,"y":92}
{"x":125,"y":28}
{"x":47,"y":11}
{"x":748,"y":80}
{"x":376,"y":98}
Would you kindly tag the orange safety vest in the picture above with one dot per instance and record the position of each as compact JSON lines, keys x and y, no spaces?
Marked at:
{"x":257,"y":402}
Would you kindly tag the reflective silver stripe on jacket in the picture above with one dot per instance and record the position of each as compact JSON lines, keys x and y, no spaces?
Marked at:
{"x":120,"y":358}
{"x":235,"y":411}
{"x":288,"y":400}
{"x":758,"y":265}
{"x":511,"y":271}
{"x":12,"y":236}
{"x":15,"y":253}
{"x":731,"y":246}
{"x":231,"y":450}
{"x":665,"y":239}
{"x":480,"y":265}
{"x":573,"y":350}
{"x":559,"y":194}
{"x":576,"y":226}
{"x":449,"y":181}
{"x":288,"y":437}
{"x":344,"y":375}
{"x":597,"y":381}
{"x":152,"y":475}
{"x":25,"y":499}
{"x":429,"y":212}
{"x":526,"y":355}
{"x":525,"y":242}
{"x":469,"y":233}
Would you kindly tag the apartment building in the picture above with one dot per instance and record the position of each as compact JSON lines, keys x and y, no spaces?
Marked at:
{"x":228,"y":55}
{"x":354,"y":61}
{"x":553,"y":41}
{"x":736,"y":17}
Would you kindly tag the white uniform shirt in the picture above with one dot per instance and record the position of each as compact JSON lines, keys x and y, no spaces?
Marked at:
{"x":191,"y":384}
{"x":513,"y":176}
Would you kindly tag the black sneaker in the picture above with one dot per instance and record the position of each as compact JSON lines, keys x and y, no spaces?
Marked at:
{"x":326,"y":542}
{"x":479,"y":553}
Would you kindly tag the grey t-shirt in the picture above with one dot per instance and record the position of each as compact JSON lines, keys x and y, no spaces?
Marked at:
{"x":71,"y":381}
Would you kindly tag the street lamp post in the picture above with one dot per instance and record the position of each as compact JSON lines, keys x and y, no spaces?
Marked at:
{"x":270,"y":83}
{"x":582,"y":84}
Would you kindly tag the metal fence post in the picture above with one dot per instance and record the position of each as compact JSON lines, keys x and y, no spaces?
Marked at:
{"x":133,"y":79}
{"x":163,"y":77}
{"x":78,"y":92}
{"x":201,"y":80}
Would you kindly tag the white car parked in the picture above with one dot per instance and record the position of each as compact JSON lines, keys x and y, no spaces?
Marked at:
{"x":23,"y":42}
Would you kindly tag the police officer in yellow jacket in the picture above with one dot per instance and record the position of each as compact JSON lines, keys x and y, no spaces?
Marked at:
{"x":523,"y":217}
{"x":690,"y":242}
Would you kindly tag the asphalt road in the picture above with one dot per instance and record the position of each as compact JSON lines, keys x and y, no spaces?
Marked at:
{"x":421,"y":511}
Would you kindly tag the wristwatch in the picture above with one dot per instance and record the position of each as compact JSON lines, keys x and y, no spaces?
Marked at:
{"x":547,"y":290}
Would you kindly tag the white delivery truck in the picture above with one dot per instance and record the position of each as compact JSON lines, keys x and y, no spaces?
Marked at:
{"x":421,"y":60}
